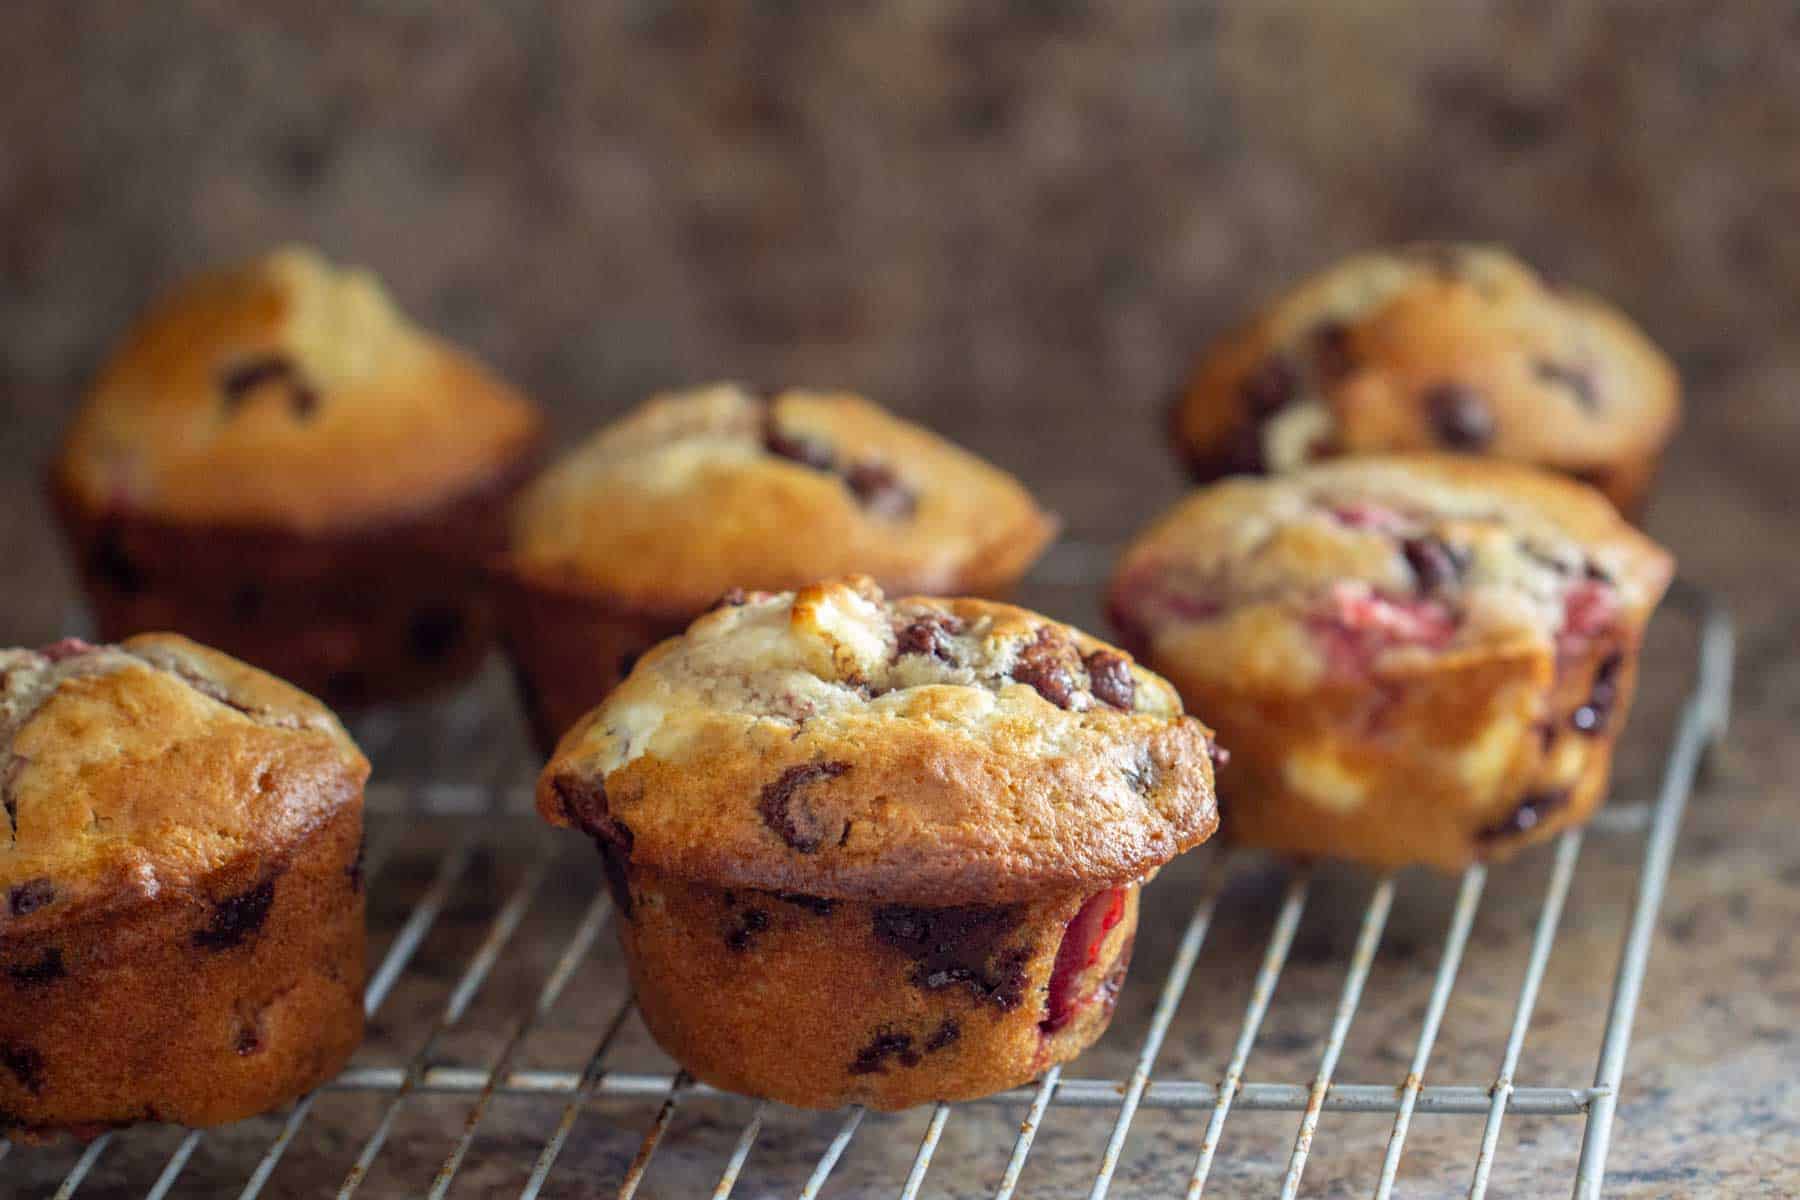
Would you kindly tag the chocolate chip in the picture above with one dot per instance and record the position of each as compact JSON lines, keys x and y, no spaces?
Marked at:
{"x":964,"y":946}
{"x":236,"y":918}
{"x":354,"y":872}
{"x":1577,"y":380}
{"x":47,"y":969}
{"x":808,"y":452}
{"x":584,"y":803}
{"x":873,"y":1058}
{"x":1532,"y":810}
{"x":1436,"y":564}
{"x":1271,"y":387}
{"x":1460,"y":416}
{"x":1042,"y":664}
{"x":1332,"y":350}
{"x":1591,"y":717}
{"x":1141,"y":773}
{"x":928,"y":635}
{"x":1110,"y":678}
{"x":247,"y":1042}
{"x":26,"y":1064}
{"x":114,"y":567}
{"x":30,"y":896}
{"x":237,"y":382}
{"x":944,"y":1035}
{"x":750,"y":922}
{"x":434,"y":632}
{"x":798,"y":826}
{"x":819,"y":906}
{"x":879,"y":489}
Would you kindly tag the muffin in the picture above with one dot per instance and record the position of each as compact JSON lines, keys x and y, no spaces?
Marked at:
{"x":630,"y":537}
{"x":278,"y":463}
{"x":881,"y":853}
{"x":181,"y":907}
{"x":1413,"y":660}
{"x":1434,"y":347}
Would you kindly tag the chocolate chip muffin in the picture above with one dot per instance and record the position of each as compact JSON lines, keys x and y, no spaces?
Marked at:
{"x":278,"y":463}
{"x":1413,"y":660}
{"x":181,"y":908}
{"x":1434,"y":347}
{"x":882,"y":853}
{"x":627,"y":539}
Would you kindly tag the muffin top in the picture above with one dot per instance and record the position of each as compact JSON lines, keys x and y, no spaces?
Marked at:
{"x":834,"y":743}
{"x":134,"y":769}
{"x":1381,"y":566}
{"x":697,"y":492}
{"x":289,"y":393}
{"x":1431,"y":347}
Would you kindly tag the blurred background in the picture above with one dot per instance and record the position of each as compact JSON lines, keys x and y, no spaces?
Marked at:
{"x":1016,"y":223}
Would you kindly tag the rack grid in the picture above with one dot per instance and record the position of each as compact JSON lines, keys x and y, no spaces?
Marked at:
{"x":470,"y":860}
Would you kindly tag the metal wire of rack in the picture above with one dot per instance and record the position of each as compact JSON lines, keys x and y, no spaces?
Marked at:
{"x":1700,"y":722}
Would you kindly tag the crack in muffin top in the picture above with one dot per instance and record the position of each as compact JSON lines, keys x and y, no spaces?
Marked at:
{"x":699,"y":491}
{"x":290,"y":393}
{"x":1382,"y":565}
{"x":920,"y":750}
{"x":130,"y":770}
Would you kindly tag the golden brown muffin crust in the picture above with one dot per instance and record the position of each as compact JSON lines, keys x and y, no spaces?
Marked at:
{"x":697,"y":492}
{"x":920,"y":751}
{"x":288,"y":393}
{"x":146,"y":767}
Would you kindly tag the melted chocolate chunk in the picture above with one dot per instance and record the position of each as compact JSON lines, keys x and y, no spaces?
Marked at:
{"x":26,"y":1065}
{"x":1532,"y":810}
{"x":1331,"y":343}
{"x":1110,"y":678}
{"x":46,"y":969}
{"x":1591,"y":717}
{"x":1271,"y":387}
{"x":434,"y":632}
{"x":354,"y":872}
{"x":237,"y":918}
{"x":114,"y":567}
{"x":1435,"y":563}
{"x":963,"y":946}
{"x":873,"y":1058}
{"x":1042,"y":664}
{"x":1460,"y":416}
{"x":819,"y":906}
{"x":1141,"y":773}
{"x":30,"y":896}
{"x":239,"y":381}
{"x":808,"y":452}
{"x":879,"y":489}
{"x":584,"y":803}
{"x":1576,"y":379}
{"x":750,"y":922}
{"x":247,"y":1042}
{"x":928,"y":635}
{"x":944,"y":1035}
{"x":797,"y":825}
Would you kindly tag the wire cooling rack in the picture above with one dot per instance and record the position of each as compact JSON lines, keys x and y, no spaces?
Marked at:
{"x":504,"y":1057}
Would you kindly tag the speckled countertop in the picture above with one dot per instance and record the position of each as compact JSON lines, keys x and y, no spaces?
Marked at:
{"x":1016,"y":223}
